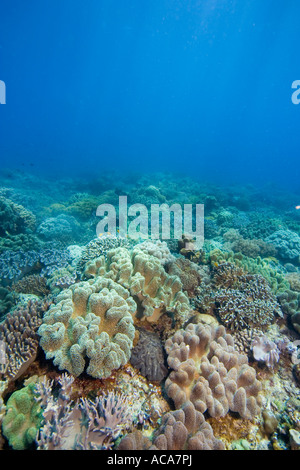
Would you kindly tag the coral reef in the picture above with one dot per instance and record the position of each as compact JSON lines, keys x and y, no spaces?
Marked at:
{"x":208,"y":371}
{"x":168,"y":348}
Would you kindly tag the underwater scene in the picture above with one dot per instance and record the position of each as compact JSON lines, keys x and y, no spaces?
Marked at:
{"x":149,"y":227}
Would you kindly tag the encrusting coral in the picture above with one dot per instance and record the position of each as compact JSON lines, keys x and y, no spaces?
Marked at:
{"x":209,"y":372}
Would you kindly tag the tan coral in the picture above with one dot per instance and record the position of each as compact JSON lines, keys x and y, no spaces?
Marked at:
{"x":208,"y":371}
{"x":143,"y":275}
{"x":92,"y":321}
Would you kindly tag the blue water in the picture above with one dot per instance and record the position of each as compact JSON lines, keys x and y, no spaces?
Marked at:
{"x":196,"y":87}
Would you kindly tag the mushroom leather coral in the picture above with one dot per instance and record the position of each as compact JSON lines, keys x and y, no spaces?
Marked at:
{"x":209,"y":372}
{"x":92,"y":322}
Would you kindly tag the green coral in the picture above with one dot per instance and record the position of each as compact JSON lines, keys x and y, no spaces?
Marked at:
{"x":22,"y":419}
{"x":263,"y":266}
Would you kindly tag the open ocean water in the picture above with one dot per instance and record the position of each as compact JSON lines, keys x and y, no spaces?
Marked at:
{"x":149,"y":227}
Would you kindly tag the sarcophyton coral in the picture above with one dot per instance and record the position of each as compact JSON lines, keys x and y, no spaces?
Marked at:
{"x":90,"y":328}
{"x":22,"y":418}
{"x":209,"y":372}
{"x":184,"y":429}
{"x":153,"y":289}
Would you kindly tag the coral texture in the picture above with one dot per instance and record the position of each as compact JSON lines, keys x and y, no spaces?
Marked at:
{"x":247,"y":302}
{"x":14,"y":218}
{"x":19,"y":334}
{"x":287,"y":244}
{"x":143,"y":275}
{"x":83,"y":425}
{"x":148,"y":357}
{"x":183,"y":429}
{"x":208,"y":371}
{"x":90,"y":328}
{"x":265,"y":350}
{"x":22,"y":418}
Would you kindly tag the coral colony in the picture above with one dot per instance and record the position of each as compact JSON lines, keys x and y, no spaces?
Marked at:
{"x":149,"y":325}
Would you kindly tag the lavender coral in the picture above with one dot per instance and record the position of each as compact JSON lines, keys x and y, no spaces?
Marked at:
{"x":183,"y":429}
{"x":265,"y":350}
{"x":81,"y":425}
{"x":209,"y":372}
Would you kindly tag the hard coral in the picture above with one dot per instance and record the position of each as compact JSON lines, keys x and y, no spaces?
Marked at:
{"x":14,"y":218}
{"x":248,"y":302}
{"x":208,"y":371}
{"x":18,"y":332}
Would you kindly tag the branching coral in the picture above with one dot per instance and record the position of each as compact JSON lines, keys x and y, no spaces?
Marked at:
{"x":19,"y":334}
{"x":83,"y":425}
{"x":208,"y":371}
{"x":247,"y":301}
